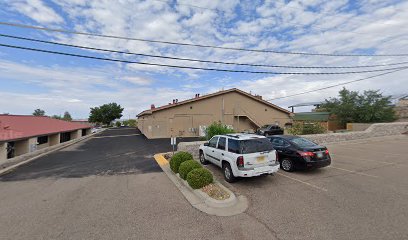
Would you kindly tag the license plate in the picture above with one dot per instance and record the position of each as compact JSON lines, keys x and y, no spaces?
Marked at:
{"x":319,"y":154}
{"x":260,"y":159}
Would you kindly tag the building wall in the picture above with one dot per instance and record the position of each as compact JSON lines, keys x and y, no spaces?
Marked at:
{"x":76,"y":134}
{"x":21,"y":147}
{"x":231,"y":108}
{"x":54,"y":139}
{"x":3,"y":151}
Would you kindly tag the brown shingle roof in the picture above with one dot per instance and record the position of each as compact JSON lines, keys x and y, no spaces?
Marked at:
{"x":150,"y":111}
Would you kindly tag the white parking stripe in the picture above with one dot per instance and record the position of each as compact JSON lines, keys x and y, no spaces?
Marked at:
{"x":365,"y":159}
{"x":306,"y":183}
{"x":360,"y":148}
{"x":350,"y":171}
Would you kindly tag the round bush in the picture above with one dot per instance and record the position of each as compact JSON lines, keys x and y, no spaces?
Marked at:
{"x":199,"y":177}
{"x":187,"y":166}
{"x":178,"y":158}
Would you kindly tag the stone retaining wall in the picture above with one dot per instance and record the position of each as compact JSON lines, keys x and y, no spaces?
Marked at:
{"x":375,"y":130}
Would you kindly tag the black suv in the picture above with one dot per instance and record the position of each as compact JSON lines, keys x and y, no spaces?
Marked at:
{"x":299,"y":153}
{"x":270,"y":129}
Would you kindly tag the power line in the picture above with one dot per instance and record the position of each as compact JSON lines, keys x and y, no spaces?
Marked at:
{"x":195,"y":68}
{"x":340,"y":84}
{"x":199,"y":60}
{"x":199,"y":45}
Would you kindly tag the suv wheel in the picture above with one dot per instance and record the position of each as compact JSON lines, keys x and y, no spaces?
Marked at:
{"x":287,"y":165}
{"x":202,"y":158}
{"x":228,"y":174}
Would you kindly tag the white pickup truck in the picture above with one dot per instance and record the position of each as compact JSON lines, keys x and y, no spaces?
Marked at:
{"x":240,"y":155}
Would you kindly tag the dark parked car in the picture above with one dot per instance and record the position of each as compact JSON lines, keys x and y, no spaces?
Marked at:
{"x":299,"y":153}
{"x":270,"y":129}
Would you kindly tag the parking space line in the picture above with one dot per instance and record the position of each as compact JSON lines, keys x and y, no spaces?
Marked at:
{"x":351,"y":171}
{"x":306,"y":183}
{"x":128,"y":135}
{"x":362,"y":148}
{"x":365,"y":159}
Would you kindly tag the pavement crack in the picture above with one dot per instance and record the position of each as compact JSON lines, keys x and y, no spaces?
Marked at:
{"x":270,"y":230}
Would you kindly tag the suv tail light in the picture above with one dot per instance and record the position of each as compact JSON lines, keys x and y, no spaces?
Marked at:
{"x":327,"y":152}
{"x":240,"y":161}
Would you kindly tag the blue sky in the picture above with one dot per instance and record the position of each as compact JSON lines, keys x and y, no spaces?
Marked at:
{"x":56,"y":83}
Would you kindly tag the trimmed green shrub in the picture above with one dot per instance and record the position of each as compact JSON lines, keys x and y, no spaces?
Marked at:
{"x":177,"y":159}
{"x":306,"y":128}
{"x":187,"y":166}
{"x":199,"y":177}
{"x":217,"y":129}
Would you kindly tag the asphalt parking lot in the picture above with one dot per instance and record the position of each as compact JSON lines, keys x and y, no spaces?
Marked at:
{"x":109,"y":187}
{"x":362,"y":195}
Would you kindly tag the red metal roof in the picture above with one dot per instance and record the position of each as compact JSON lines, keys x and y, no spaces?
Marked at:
{"x":13,"y":127}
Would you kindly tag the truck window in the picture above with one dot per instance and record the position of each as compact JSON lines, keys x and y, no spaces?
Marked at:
{"x":213,"y":142}
{"x":233,"y":146}
{"x":255,"y":145}
{"x":221,"y":143}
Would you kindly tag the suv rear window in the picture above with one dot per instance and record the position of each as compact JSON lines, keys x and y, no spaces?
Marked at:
{"x":255,"y":145}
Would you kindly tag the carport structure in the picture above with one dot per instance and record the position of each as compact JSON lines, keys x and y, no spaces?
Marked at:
{"x":20,"y":134}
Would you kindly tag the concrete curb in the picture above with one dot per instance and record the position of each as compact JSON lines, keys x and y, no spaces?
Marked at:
{"x":41,"y":154}
{"x":201,"y":201}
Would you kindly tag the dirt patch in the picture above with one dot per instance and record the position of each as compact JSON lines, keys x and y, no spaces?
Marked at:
{"x":215,"y":191}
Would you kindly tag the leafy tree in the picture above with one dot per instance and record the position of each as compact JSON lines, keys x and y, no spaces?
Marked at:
{"x":118,"y":124}
{"x":217,"y":129}
{"x":38,"y":112}
{"x":105,"y":114}
{"x":56,"y":117}
{"x":132,"y":123}
{"x":369,"y":107}
{"x":67,"y":116}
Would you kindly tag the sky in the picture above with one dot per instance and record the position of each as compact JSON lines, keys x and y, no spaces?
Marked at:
{"x":56,"y":83}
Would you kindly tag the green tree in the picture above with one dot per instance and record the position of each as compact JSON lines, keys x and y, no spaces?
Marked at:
{"x":118,"y":124}
{"x":105,"y":114}
{"x":132,"y":123}
{"x":38,"y":112}
{"x":217,"y":128}
{"x":369,"y":107}
{"x":67,"y":116}
{"x":56,"y":117}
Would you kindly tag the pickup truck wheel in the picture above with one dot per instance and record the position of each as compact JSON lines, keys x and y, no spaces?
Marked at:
{"x":228,"y":174}
{"x":202,"y":158}
{"x":287,"y":165}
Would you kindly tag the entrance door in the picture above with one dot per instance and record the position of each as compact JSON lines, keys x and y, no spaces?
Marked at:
{"x":10,"y":150}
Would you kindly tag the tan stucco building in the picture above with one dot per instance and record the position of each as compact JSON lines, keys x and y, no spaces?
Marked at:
{"x":238,"y":109}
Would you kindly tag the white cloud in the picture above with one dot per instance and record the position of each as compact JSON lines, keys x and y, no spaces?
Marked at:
{"x":37,"y":10}
{"x":278,"y":25}
{"x":138,"y":80}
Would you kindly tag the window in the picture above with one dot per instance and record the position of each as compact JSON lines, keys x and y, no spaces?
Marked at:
{"x":233,"y":146}
{"x":221,"y":143}
{"x":302,"y":142}
{"x":213,"y":142}
{"x":278,"y":142}
{"x":42,"y":140}
{"x":255,"y":145}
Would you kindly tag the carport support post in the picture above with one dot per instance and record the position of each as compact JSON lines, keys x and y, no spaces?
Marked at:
{"x":3,"y":151}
